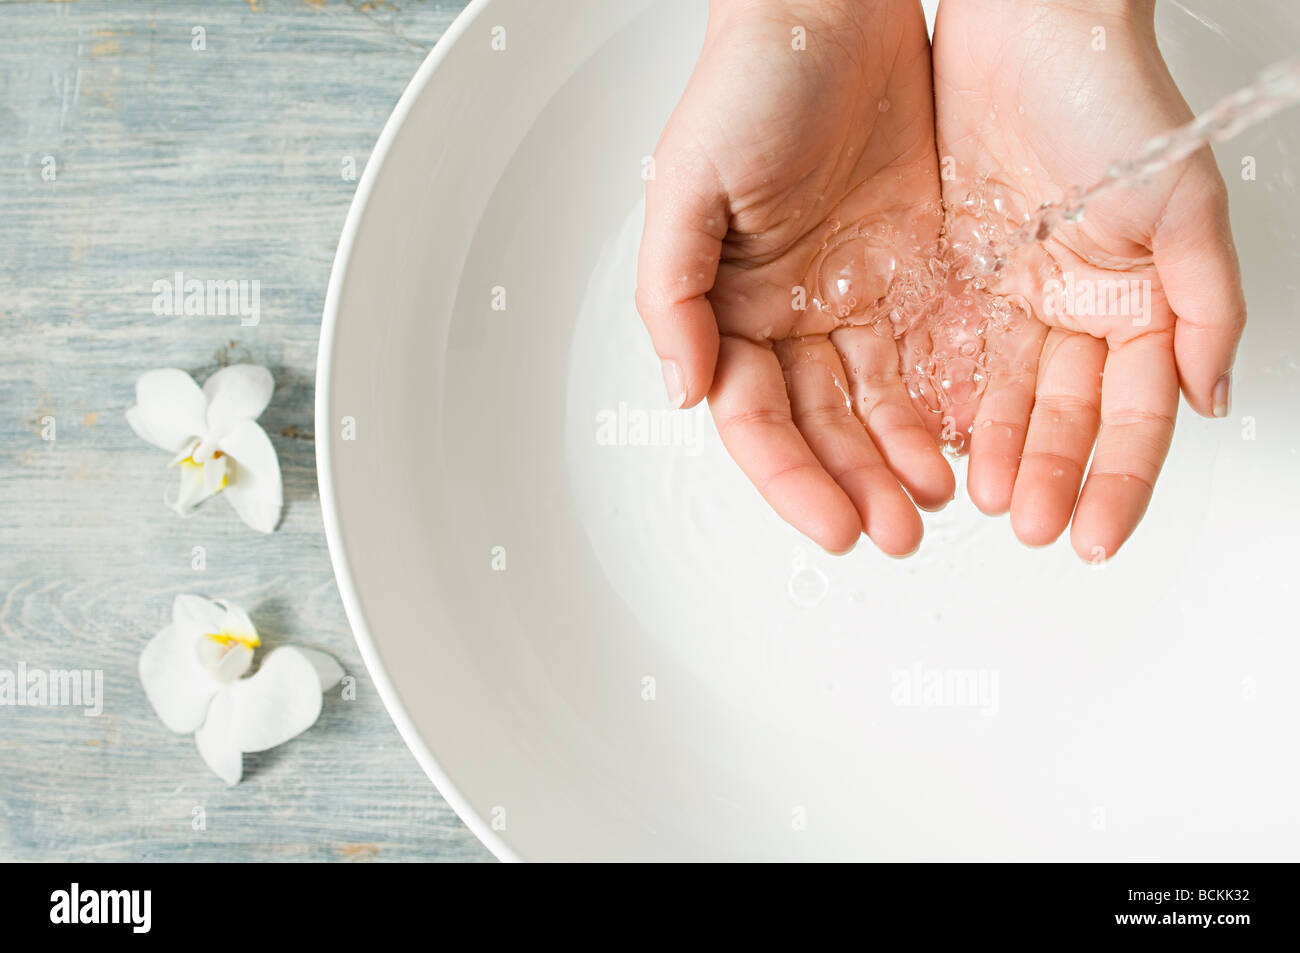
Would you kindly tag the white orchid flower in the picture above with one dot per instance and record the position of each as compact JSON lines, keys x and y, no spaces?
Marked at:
{"x":214,"y":437}
{"x":193,"y":671}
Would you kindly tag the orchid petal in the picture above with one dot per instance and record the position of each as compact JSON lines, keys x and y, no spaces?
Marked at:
{"x":216,"y":741}
{"x":214,"y":475}
{"x":210,"y":653}
{"x":175,"y":681}
{"x":196,"y":615}
{"x":170,"y":410}
{"x":185,"y":453}
{"x":328,"y":670}
{"x":192,"y":491}
{"x":233,"y":663}
{"x":235,"y":621}
{"x":236,"y":393}
{"x":255,"y":490}
{"x":279,"y":702}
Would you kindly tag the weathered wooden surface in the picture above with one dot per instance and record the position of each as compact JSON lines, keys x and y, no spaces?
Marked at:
{"x":222,"y":163}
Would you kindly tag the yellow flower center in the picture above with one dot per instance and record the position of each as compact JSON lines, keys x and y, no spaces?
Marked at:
{"x":227,"y":638}
{"x":193,"y":464}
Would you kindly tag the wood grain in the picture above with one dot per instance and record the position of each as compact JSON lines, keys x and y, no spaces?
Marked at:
{"x":222,"y":163}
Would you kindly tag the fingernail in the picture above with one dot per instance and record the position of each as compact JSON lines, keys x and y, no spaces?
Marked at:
{"x":673,"y":382}
{"x":1222,"y":395}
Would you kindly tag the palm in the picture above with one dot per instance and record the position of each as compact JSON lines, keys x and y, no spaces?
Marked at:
{"x":1029,"y":108}
{"x":841,"y":143}
{"x":798,"y":152}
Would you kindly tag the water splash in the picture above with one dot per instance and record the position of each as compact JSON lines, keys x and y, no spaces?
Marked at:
{"x":1276,"y":88}
{"x":935,"y":292}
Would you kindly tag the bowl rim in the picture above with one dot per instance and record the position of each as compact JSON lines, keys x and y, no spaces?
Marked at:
{"x":343,"y":575}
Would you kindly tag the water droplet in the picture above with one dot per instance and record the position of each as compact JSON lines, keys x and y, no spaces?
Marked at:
{"x":854,"y":273}
{"x":808,"y":587}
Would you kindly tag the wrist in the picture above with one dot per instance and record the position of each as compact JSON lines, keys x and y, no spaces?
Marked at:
{"x":829,"y":12}
{"x":1137,"y":9}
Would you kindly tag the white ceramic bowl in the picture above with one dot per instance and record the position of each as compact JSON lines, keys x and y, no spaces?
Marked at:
{"x":598,"y":641}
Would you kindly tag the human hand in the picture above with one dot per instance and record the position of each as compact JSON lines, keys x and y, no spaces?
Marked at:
{"x":770,"y":153}
{"x":1025,"y":97}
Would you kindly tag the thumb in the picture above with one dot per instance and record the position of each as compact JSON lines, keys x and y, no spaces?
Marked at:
{"x":1197,"y":264}
{"x":685,"y":221}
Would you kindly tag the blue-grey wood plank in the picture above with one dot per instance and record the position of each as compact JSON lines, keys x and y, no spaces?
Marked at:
{"x":222,"y":163}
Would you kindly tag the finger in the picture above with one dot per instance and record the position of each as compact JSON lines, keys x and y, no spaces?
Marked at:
{"x":1062,"y":428}
{"x":881,"y":404}
{"x":1002,"y":420}
{"x":752,"y":411}
{"x":1197,"y":264}
{"x":1139,"y":401}
{"x":819,"y":404}
{"x":685,"y":222}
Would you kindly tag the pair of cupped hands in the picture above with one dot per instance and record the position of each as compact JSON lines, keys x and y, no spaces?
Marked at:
{"x":802,"y":114}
